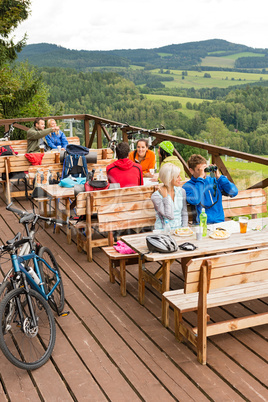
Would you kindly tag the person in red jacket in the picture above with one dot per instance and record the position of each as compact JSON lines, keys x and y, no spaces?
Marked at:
{"x":124,"y":171}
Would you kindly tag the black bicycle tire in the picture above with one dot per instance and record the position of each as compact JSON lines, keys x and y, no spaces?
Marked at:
{"x":5,"y":287}
{"x":47,"y":279}
{"x":40,"y":342}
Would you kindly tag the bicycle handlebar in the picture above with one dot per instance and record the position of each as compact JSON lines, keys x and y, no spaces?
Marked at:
{"x":28,"y":217}
{"x":16,"y":211}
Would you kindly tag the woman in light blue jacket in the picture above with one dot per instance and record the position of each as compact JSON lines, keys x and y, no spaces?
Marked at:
{"x":170,"y":200}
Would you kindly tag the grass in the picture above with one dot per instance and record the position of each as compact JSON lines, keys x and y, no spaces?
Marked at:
{"x":226,"y":61}
{"x":219,"y":79}
{"x":189,"y":113}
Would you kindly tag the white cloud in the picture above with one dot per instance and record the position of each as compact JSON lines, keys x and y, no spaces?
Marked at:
{"x":121,"y":24}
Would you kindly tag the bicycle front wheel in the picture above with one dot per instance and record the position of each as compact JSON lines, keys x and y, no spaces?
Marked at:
{"x":5,"y":287}
{"x":49,"y":278}
{"x":25,"y":344}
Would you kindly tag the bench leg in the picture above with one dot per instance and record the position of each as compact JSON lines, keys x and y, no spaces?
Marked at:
{"x":141,"y":283}
{"x":202,"y":317}
{"x":165,"y":287}
{"x":111,"y":271}
{"x":178,"y":320}
{"x":123,"y":278}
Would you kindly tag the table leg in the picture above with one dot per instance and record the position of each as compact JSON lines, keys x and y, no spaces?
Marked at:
{"x":57,"y":229}
{"x":141,"y":282}
{"x":69,"y":233}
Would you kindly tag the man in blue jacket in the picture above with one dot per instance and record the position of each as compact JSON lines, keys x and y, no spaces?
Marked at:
{"x":204,"y":191}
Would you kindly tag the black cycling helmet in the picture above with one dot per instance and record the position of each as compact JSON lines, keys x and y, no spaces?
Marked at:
{"x":161,"y":243}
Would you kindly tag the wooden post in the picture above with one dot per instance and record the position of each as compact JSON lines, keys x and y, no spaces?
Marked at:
{"x":86,"y":123}
{"x":99,"y":136}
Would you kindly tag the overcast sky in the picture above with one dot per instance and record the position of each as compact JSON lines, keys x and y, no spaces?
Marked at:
{"x":128,"y":24}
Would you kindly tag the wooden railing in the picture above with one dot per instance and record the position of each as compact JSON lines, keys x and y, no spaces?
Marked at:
{"x":100,"y":131}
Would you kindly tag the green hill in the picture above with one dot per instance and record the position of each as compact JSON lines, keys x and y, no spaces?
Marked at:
{"x":175,"y":56}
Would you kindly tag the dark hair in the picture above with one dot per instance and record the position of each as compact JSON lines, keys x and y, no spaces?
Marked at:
{"x":195,"y":160}
{"x":141,"y":140}
{"x":122,"y":150}
{"x":164,"y":154}
{"x":144,"y":140}
{"x":37,"y":120}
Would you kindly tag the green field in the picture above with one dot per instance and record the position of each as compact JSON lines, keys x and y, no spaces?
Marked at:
{"x":226,"y":61}
{"x":219,"y":79}
{"x":182,"y":100}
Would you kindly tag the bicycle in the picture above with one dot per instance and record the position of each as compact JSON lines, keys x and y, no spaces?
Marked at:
{"x":51,"y":279}
{"x":8,"y":133}
{"x":27,"y":331}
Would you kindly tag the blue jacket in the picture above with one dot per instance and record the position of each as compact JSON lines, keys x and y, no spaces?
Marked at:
{"x":200,"y":192}
{"x":54,"y":140}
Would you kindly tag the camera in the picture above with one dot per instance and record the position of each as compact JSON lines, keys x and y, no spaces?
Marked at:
{"x":211,"y":169}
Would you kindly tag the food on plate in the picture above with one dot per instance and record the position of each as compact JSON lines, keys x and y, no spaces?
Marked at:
{"x":220,"y":234}
{"x":186,"y":231}
{"x":259,"y":227}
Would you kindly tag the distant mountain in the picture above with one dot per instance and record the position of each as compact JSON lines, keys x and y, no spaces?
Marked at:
{"x":180,"y":56}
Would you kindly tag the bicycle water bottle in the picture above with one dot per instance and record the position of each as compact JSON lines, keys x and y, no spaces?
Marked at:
{"x":203,"y":222}
{"x":167,"y":228}
{"x":33,"y":274}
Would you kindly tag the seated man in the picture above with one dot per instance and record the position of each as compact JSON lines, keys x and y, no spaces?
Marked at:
{"x":36,"y":134}
{"x":124,"y":171}
{"x":204,"y":191}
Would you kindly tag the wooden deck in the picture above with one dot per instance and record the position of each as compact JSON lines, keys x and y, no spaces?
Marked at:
{"x":110,"y":348}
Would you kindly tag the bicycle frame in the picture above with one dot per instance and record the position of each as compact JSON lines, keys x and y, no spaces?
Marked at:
{"x":17,"y":262}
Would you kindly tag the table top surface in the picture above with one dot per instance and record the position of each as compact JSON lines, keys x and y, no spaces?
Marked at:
{"x":236,"y":241}
{"x":57,"y":191}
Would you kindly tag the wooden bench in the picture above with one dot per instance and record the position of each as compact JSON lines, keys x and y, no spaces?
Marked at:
{"x":50,"y":161}
{"x":116,"y":210}
{"x":217,"y":281}
{"x":247,"y":202}
{"x":20,"y":146}
{"x":119,"y":260}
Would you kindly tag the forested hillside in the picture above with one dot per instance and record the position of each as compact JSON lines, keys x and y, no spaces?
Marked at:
{"x":176,"y":56}
{"x":239,"y":121}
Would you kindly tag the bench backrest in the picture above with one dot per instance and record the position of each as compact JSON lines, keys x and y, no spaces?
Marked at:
{"x":228,"y":269}
{"x":20,"y":146}
{"x":247,"y":202}
{"x":122,"y":208}
{"x":252,"y":201}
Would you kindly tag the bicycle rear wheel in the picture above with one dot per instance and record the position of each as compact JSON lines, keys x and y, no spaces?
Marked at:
{"x":49,"y":278}
{"x":25,"y":345}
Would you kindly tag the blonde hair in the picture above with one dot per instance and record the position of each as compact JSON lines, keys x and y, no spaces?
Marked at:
{"x":49,"y":122}
{"x":168,"y":172}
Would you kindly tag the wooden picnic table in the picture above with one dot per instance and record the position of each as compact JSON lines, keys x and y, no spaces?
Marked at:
{"x":206,"y":246}
{"x":58,"y":193}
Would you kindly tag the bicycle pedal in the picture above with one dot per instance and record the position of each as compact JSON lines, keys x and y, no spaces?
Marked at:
{"x":64,"y":313}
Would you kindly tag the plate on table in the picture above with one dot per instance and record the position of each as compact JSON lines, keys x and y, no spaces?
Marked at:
{"x":219,"y":234}
{"x":183,"y":232}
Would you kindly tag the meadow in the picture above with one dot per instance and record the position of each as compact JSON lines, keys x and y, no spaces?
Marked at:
{"x":183,"y":100}
{"x":219,"y":79}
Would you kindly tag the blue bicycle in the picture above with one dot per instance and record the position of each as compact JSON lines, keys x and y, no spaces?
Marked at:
{"x":28,"y":332}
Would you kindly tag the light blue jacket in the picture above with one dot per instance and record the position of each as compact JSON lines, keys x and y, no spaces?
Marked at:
{"x":173,"y":211}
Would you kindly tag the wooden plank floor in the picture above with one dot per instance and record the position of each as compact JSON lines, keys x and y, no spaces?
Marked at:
{"x":111,"y":348}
